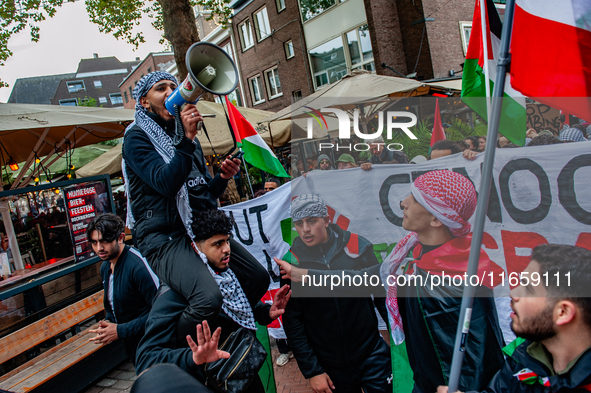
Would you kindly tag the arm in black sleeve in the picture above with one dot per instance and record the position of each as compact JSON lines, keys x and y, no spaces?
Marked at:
{"x":105,"y":267}
{"x":159,"y":343}
{"x":146,"y":287}
{"x":141,"y":155}
{"x":261,"y":313}
{"x":159,"y":346}
{"x":298,"y":341}
{"x":217,"y":186}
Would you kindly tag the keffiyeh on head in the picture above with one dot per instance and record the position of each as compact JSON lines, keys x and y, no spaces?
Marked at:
{"x":308,"y":205}
{"x":145,"y":84}
{"x":572,"y":135}
{"x":451,"y":198}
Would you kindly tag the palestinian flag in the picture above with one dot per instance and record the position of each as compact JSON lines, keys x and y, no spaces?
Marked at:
{"x":513,"y":117}
{"x":437,"y":134}
{"x":256,"y":151}
{"x":559,"y":80}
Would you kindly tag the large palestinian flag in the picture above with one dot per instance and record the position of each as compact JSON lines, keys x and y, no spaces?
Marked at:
{"x":513,"y":116}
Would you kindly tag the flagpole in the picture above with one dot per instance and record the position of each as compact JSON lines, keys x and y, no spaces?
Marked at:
{"x":485,"y":34}
{"x":247,"y":175}
{"x":484,"y":194}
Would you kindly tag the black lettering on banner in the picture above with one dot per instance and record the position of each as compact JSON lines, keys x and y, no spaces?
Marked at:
{"x":536,"y":214}
{"x":402,"y":178}
{"x":274,"y":277}
{"x":248,"y":241}
{"x":415,"y":174}
{"x":493,"y":212}
{"x":566,"y":189}
{"x":258,"y":210}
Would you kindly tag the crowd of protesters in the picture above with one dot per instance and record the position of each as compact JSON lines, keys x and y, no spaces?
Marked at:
{"x":191,"y":285}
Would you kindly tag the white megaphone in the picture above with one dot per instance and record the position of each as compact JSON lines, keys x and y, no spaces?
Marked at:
{"x":211,"y":70}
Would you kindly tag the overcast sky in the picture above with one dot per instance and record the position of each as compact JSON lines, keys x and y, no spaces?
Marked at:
{"x":65,"y":39}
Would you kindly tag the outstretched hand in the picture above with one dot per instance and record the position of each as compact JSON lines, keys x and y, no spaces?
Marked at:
{"x":206,"y":350}
{"x":279,"y":302}
{"x":290,"y":272}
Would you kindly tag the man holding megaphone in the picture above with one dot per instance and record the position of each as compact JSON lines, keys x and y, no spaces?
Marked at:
{"x":166,"y":179}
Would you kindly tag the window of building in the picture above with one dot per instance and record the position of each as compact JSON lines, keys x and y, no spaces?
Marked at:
{"x":280,"y":5}
{"x":256,"y":90}
{"x":69,"y":102}
{"x":102,"y":100}
{"x":116,"y":99}
{"x":149,"y":69}
{"x":75,"y":86}
{"x":465,"y":28}
{"x":311,"y":8}
{"x":245,"y":35}
{"x":228,"y":49}
{"x":273,"y":85}
{"x":98,"y":84}
{"x":289,"y":53}
{"x":261,"y":23}
{"x":130,"y":92}
{"x":126,"y":97}
{"x":328,"y":62}
{"x":296,"y":96}
{"x":334,"y":59}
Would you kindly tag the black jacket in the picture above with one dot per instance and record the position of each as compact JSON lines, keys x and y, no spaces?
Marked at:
{"x":541,"y":378}
{"x":160,"y":344}
{"x":134,"y":288}
{"x":329,"y":331}
{"x":153,"y":185}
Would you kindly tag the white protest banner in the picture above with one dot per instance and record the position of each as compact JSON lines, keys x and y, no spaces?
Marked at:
{"x":541,"y":195}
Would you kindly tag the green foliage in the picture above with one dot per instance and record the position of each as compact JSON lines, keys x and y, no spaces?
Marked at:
{"x":87,"y":101}
{"x":119,"y":18}
{"x":111,"y":142}
{"x":16,"y":15}
{"x":460,"y":130}
{"x":311,"y":8}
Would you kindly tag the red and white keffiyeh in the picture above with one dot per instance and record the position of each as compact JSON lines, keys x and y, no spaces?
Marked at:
{"x":451,"y":198}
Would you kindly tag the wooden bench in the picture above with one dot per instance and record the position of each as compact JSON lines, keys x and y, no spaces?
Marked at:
{"x":61,"y":367}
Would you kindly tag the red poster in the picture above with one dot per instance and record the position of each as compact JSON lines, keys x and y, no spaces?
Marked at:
{"x":84,"y":202}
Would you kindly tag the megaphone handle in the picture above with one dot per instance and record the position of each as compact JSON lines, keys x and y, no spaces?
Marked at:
{"x":179,"y":131}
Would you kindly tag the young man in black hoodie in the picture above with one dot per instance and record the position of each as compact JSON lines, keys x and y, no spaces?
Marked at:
{"x":162,"y":342}
{"x":167,"y":181}
{"x":335,"y":341}
{"x":129,"y":284}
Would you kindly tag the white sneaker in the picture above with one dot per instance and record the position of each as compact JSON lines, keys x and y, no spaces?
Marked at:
{"x":283,"y":359}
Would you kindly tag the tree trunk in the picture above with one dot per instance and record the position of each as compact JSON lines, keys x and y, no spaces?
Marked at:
{"x":180,"y":29}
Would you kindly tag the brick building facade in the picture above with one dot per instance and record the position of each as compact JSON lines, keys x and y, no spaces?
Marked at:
{"x":153,"y":62}
{"x":271,"y":52}
{"x":426,"y":37}
{"x":97,"y":78}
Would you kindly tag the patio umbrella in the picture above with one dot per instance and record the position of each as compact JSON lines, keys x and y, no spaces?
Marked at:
{"x":29,"y":131}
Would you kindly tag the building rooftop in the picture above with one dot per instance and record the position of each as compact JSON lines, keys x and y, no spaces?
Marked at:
{"x":37,"y":89}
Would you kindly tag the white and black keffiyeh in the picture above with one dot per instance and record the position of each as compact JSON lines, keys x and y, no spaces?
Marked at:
{"x":162,"y":143}
{"x":235,"y":303}
{"x":308,"y":205}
